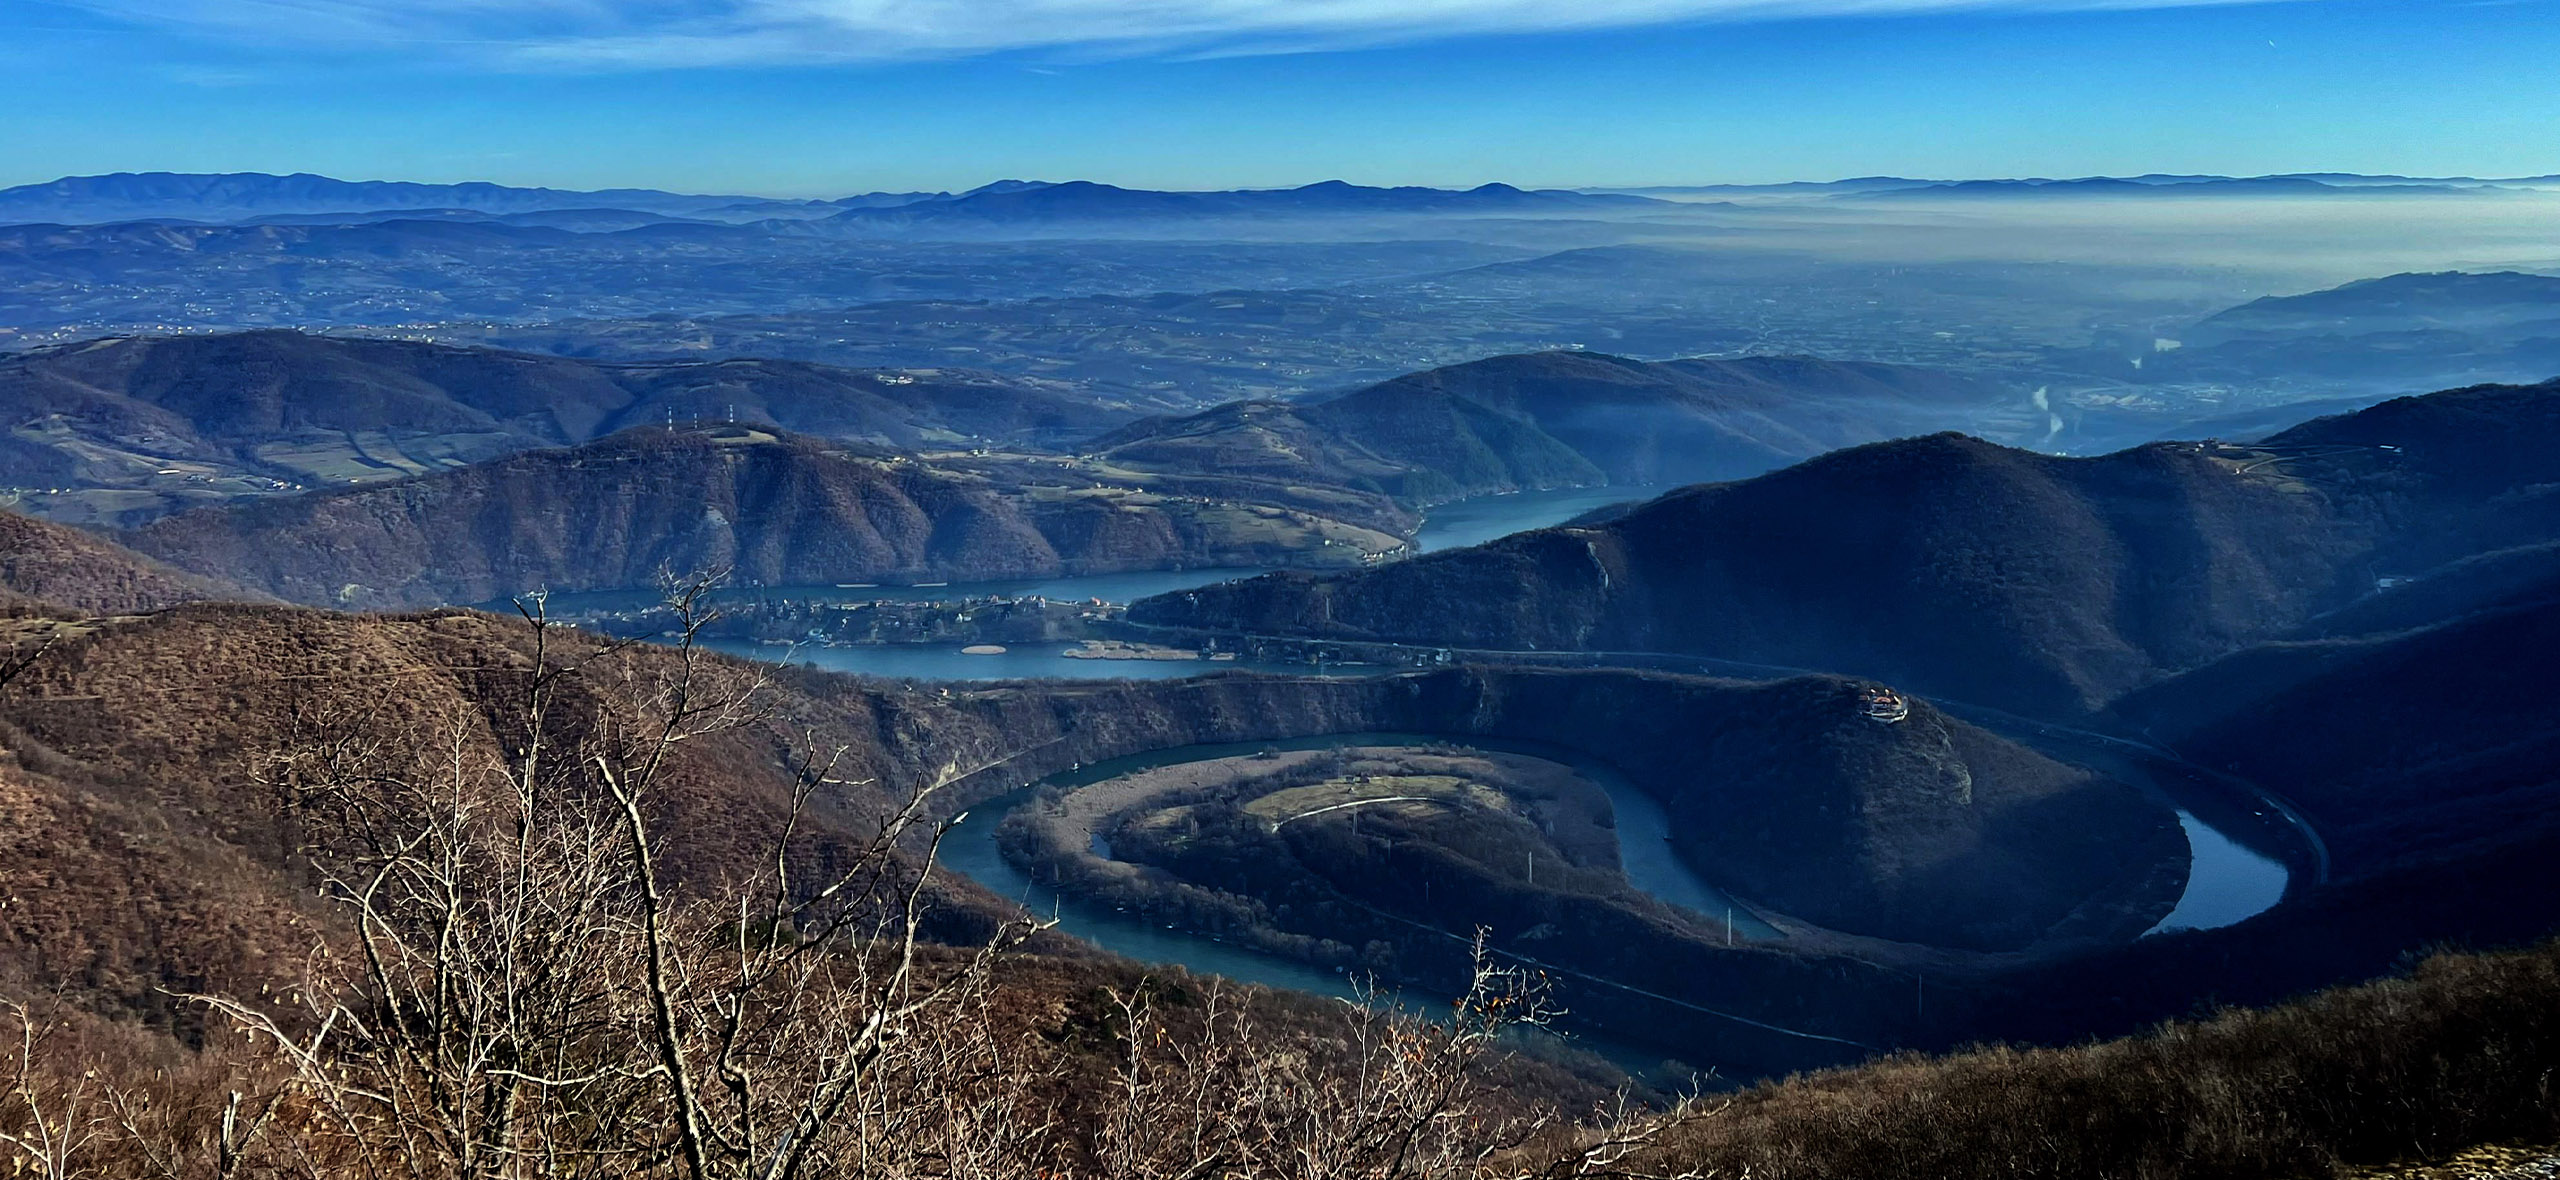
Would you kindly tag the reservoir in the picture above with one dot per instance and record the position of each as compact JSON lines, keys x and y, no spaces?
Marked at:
{"x":1025,"y":661}
{"x":1450,"y":526}
{"x":1462,"y":523}
{"x":2226,"y":883}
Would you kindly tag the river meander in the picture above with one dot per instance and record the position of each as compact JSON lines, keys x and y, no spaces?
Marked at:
{"x":1643,"y":835}
{"x":1644,"y":848}
{"x":2228,"y":882}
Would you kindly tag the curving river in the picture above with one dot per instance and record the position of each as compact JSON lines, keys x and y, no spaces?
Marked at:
{"x":1644,"y":834}
{"x":1643,"y":839}
{"x":2228,"y":881}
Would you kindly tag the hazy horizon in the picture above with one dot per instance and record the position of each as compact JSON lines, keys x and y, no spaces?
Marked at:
{"x":829,"y":97}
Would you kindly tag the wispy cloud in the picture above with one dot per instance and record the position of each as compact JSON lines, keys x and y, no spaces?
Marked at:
{"x":705,"y":33}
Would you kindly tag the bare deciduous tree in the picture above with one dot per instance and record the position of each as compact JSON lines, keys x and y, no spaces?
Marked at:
{"x":524,"y":993}
{"x":1398,"y":1097}
{"x":50,"y":1124}
{"x":526,"y":987}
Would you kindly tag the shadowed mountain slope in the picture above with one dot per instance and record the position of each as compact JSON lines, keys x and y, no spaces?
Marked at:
{"x":2405,"y":747}
{"x":1560,"y":419}
{"x":772,"y":509}
{"x":2035,"y":583}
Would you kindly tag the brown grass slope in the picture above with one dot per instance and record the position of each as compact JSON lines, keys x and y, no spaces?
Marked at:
{"x":138,"y":747}
{"x":148,"y":853}
{"x":141,"y":854}
{"x":154,"y":858}
{"x":2460,"y":1052}
{"x":49,"y":566}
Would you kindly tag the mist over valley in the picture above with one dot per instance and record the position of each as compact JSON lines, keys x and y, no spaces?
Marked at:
{"x":680,"y":635}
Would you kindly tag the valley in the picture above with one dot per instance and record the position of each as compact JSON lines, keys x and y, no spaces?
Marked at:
{"x":1842,"y":649}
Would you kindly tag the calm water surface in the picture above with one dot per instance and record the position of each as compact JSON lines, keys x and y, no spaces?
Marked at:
{"x":1030,"y":661}
{"x":1473,"y":522}
{"x":971,"y":850}
{"x":2226,"y":884}
{"x":1449,"y":526}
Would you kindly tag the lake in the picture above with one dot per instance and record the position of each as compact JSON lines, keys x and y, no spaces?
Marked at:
{"x":1453,"y":525}
{"x":1028,"y":661}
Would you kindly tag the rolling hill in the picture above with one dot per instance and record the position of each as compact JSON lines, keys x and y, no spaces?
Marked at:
{"x":772,"y":509}
{"x":1559,"y":419}
{"x":2381,"y":334}
{"x":47,"y":568}
{"x":137,"y":425}
{"x":2038,"y":584}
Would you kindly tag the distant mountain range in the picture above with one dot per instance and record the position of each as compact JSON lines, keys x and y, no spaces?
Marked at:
{"x":300,"y":198}
{"x":1085,"y":201}
{"x":2379,"y":334}
{"x":245,"y":197}
{"x":2149,"y":184}
{"x":233,"y":196}
{"x":2100,"y":186}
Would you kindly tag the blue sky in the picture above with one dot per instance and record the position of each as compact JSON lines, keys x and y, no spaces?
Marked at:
{"x":824,"y":97}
